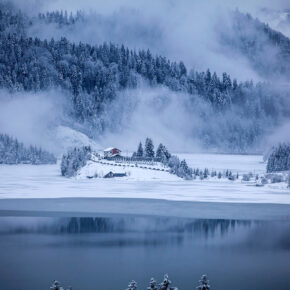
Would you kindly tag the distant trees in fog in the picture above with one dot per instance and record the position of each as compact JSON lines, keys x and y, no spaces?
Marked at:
{"x":14,"y":152}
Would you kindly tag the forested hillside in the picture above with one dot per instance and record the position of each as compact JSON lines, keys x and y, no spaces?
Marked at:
{"x":93,"y":76}
{"x":267,"y":50}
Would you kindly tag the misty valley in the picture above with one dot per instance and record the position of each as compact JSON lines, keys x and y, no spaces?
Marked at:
{"x":144,"y":145}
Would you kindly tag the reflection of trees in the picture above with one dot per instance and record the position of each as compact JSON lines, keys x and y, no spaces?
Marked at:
{"x":202,"y":226}
{"x":88,"y":225}
{"x":72,"y":225}
{"x":213,"y":226}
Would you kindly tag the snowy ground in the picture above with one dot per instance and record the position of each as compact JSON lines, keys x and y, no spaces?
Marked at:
{"x":133,"y":171}
{"x":44,"y":181}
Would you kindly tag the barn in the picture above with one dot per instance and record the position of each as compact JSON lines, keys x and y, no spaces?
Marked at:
{"x":112,"y":152}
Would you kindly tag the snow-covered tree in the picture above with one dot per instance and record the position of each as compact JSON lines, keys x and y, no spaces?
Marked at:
{"x":174,"y":164}
{"x":152,"y":284}
{"x":149,"y":148}
{"x":132,"y":285}
{"x":184,"y":171}
{"x":203,"y":283}
{"x":165,"y":285}
{"x":74,"y":160}
{"x":56,"y":285}
{"x":162,"y":153}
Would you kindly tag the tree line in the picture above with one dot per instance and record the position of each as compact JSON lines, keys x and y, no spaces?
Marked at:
{"x":14,"y":152}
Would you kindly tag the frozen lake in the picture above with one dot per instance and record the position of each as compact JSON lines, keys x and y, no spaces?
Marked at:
{"x":106,"y":253}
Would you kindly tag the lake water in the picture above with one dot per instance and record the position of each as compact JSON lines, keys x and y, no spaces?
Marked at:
{"x":106,"y":253}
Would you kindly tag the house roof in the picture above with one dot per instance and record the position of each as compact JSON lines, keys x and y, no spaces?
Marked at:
{"x":110,"y":149}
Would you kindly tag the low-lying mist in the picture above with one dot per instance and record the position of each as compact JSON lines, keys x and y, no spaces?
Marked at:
{"x":31,"y":117}
{"x":184,"y":123}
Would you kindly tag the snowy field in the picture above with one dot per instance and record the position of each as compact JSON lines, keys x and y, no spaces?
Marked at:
{"x":44,"y":181}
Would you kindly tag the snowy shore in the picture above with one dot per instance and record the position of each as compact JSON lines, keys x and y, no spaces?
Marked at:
{"x":41,"y":188}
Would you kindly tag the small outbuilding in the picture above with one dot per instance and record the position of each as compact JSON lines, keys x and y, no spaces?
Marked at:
{"x":111,"y":175}
{"x":112,"y":152}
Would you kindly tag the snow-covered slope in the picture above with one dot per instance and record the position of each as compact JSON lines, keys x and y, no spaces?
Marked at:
{"x":67,"y":138}
{"x":133,"y":172}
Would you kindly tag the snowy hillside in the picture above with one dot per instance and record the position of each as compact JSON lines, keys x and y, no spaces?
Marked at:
{"x":100,"y":168}
{"x":68,"y":138}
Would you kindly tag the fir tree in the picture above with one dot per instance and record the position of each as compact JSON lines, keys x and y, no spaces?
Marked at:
{"x":184,"y":171}
{"x":149,"y":148}
{"x":140,"y":151}
{"x":162,"y":153}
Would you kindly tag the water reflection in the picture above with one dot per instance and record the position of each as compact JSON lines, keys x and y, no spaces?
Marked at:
{"x":110,"y":251}
{"x":75,"y":225}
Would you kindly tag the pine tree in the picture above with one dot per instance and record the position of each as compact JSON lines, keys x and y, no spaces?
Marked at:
{"x":203,"y":283}
{"x":140,"y":151}
{"x":149,"y":148}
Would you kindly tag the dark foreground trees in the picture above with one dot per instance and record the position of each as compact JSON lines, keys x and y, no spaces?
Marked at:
{"x":153,"y":285}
